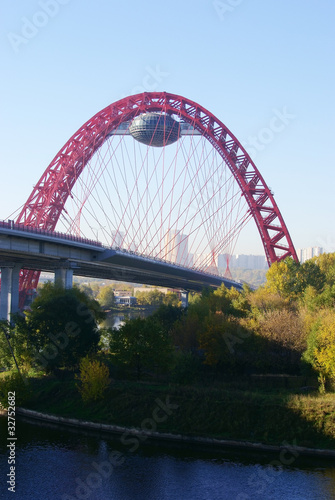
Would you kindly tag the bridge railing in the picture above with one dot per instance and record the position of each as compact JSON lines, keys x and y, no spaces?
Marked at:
{"x":55,"y":234}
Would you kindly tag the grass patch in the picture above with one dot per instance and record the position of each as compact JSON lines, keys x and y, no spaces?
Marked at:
{"x":256,"y":415}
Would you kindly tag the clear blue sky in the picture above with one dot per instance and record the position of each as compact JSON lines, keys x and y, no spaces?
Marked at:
{"x":245,"y":61}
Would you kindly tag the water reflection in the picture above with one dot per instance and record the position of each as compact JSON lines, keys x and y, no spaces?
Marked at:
{"x":117,"y":319}
{"x":54,"y":463}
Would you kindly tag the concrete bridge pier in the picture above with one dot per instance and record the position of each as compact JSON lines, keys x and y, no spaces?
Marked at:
{"x":64,"y":275}
{"x":9,"y":295}
{"x":184,"y":299}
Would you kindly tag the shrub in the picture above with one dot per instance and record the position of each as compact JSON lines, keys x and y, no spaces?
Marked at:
{"x":14,"y":382}
{"x":94,"y":379}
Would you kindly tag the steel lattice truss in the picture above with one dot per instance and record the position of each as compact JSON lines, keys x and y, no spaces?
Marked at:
{"x":99,"y":143}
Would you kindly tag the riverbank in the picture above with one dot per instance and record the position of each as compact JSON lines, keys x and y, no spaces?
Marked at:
{"x":134,"y":437}
{"x":267,"y":417}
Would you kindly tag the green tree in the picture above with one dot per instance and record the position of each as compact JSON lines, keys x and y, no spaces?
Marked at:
{"x":152,"y":297}
{"x":91,"y":289}
{"x":106,"y":297}
{"x":142,"y":344}
{"x":14,"y":343}
{"x":171,"y":299}
{"x":87,"y":290}
{"x":312,"y":275}
{"x":326,"y":263}
{"x":320,"y":352}
{"x":167,"y":315}
{"x":61,"y":327}
{"x":142,"y":298}
{"x":229,"y":301}
{"x":283,"y":278}
{"x":315,"y":300}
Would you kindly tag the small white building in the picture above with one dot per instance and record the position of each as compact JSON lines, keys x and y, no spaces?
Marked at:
{"x":125,"y":300}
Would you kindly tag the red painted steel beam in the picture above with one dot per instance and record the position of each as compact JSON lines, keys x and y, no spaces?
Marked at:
{"x":50,"y":193}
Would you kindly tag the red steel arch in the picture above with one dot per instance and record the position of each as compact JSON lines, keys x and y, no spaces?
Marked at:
{"x":49,"y":195}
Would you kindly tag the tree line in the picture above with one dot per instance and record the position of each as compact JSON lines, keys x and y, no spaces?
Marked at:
{"x":285,"y":326}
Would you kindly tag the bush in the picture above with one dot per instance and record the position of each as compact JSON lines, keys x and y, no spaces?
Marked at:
{"x":94,"y":379}
{"x":16,"y":383}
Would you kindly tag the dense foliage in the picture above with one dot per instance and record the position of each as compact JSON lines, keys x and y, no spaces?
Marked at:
{"x":236,"y":365}
{"x":106,"y":297}
{"x":142,"y":344}
{"x":154,"y":297}
{"x":286,"y":326}
{"x":60,"y":328}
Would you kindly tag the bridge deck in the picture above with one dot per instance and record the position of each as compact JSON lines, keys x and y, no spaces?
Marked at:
{"x":48,"y":251}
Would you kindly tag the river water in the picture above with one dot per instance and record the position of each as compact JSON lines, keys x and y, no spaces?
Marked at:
{"x":56,"y":463}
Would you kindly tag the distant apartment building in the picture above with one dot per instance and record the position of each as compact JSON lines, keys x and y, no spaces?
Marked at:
{"x":117,"y":238}
{"x":308,"y":253}
{"x":176,"y":248}
{"x":242,"y":261}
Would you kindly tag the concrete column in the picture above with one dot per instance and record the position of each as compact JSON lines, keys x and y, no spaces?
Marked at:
{"x":15,"y":289}
{"x":9,"y":296}
{"x":184,"y":299}
{"x":65,"y":276}
{"x":6,"y":289}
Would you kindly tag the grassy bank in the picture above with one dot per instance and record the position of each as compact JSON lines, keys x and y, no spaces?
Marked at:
{"x":257,"y":415}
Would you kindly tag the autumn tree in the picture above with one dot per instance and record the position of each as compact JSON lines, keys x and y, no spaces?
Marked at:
{"x":171,"y":299}
{"x":262,"y":300}
{"x":106,"y":297}
{"x":221,"y":340}
{"x":93,"y":379}
{"x":290,"y":279}
{"x":285,"y":336}
{"x":326,"y":262}
{"x":152,"y":297}
{"x":229,"y":301}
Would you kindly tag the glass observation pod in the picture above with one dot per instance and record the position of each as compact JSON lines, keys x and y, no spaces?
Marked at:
{"x":155,"y":129}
